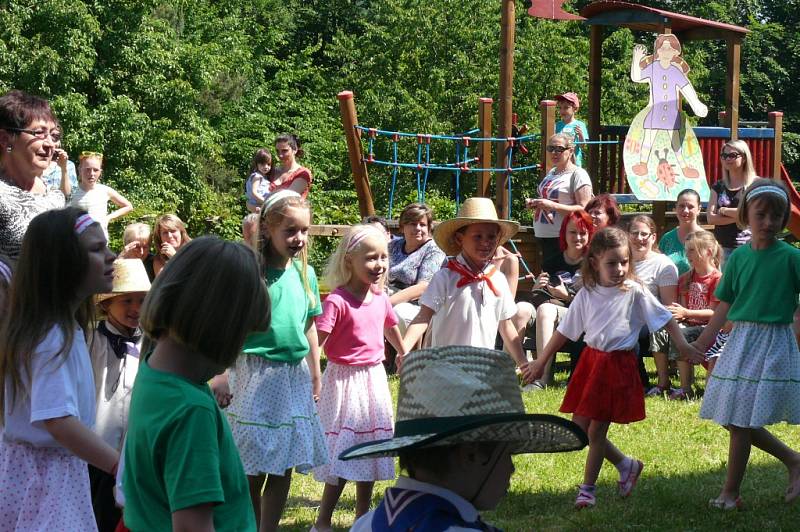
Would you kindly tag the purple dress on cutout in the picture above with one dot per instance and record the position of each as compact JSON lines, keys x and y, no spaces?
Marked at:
{"x":664,"y":114}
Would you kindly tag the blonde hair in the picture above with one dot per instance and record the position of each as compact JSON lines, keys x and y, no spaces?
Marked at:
{"x":272,"y":216}
{"x":569,"y":143}
{"x":168,"y":221}
{"x":338,"y":272}
{"x":749,"y":169}
{"x":136,"y":231}
{"x":703,"y":240}
{"x":603,"y":240}
{"x":188,"y":302}
{"x":775,"y":202}
{"x":644,"y":219}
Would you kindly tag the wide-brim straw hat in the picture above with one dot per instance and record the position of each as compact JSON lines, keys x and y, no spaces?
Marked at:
{"x":129,"y":276}
{"x":463,"y":394}
{"x":472,"y":211}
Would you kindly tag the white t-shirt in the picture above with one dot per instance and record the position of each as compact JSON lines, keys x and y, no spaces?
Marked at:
{"x":94,"y":201}
{"x":556,"y":187}
{"x":469,"y":315}
{"x":612,"y":317}
{"x":656,"y":271}
{"x":60,"y":386}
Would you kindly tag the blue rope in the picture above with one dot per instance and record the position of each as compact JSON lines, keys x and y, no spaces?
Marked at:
{"x":395,"y":169}
{"x":427,"y":170}
{"x":419,"y":163}
{"x":386,"y":133}
{"x":509,"y":160}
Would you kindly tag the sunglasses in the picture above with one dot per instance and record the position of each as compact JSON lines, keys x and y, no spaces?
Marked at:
{"x":556,"y":149}
{"x":730,"y":155}
{"x":90,"y":154}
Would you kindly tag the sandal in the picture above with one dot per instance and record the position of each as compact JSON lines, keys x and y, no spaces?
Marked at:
{"x":625,"y":486}
{"x":678,"y":394}
{"x":726,"y":505}
{"x":585,"y":499}
{"x":656,"y":391}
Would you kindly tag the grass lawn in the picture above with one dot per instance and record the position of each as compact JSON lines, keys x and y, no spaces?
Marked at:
{"x":684,"y":456}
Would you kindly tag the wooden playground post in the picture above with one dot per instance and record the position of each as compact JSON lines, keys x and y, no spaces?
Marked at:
{"x":548,"y":114}
{"x":776,"y":123}
{"x":595,"y":94}
{"x":504,"y":108}
{"x":485,"y":151}
{"x":347,"y":109}
{"x":734,"y":46}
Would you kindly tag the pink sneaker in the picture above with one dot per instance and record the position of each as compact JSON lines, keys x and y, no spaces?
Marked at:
{"x":585,"y":499}
{"x":626,"y":484}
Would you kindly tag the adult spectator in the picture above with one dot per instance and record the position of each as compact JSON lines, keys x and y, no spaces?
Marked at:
{"x":93,"y":196}
{"x":169,"y":235}
{"x":604,"y":211}
{"x":289,"y":174}
{"x":687,"y":208}
{"x":29,"y":134}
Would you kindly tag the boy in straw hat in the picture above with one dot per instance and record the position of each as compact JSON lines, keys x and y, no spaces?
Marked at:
{"x":469,"y":299}
{"x":460,"y":418}
{"x":114,"y":348}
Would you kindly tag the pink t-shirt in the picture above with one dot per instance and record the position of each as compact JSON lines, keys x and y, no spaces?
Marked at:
{"x":355,"y":328}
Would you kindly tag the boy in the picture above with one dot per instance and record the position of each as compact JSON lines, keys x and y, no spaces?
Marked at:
{"x":568,"y":105}
{"x":469,"y":300}
{"x":456,"y":445}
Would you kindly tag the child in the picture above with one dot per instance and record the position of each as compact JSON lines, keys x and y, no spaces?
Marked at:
{"x":611,"y":309}
{"x":46,"y":388}
{"x":93,"y":196}
{"x":273,"y":417}
{"x":696,"y":299}
{"x":169,"y":234}
{"x":456,"y":445}
{"x":469,"y":299}
{"x":136,"y":245}
{"x":355,"y":404}
{"x":568,"y":105}
{"x":259,"y":185}
{"x":182,"y":471}
{"x":114,"y":349}
{"x":379,"y":222}
{"x":757,"y":379}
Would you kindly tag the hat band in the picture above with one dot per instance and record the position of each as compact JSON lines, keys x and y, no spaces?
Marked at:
{"x":433,"y":425}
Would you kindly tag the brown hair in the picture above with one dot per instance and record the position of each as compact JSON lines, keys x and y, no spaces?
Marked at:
{"x":293,"y":142}
{"x":18,"y":109}
{"x":262,"y":156}
{"x":168,"y":221}
{"x":414,"y":211}
{"x":608,"y":204}
{"x":603,"y":240}
{"x":644,"y":219}
{"x":774,"y":201}
{"x":675,"y":43}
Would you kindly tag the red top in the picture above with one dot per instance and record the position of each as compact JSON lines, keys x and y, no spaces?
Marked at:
{"x":288,"y":178}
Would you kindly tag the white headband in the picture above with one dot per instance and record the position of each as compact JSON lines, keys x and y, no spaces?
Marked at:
{"x":359,"y":237}
{"x":276,"y":197}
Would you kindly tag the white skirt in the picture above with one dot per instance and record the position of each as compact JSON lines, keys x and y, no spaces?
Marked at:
{"x":273,"y":417}
{"x":43,"y":488}
{"x":355,"y":406}
{"x":756,"y":381}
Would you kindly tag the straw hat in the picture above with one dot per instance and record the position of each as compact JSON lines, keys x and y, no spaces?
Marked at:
{"x":129,"y":276}
{"x":463,"y":394}
{"x":472,"y":211}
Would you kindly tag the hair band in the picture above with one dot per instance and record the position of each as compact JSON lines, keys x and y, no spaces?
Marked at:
{"x":5,"y":271}
{"x":360,"y":235}
{"x":82,"y":223}
{"x":276,"y":197}
{"x":768,"y":189}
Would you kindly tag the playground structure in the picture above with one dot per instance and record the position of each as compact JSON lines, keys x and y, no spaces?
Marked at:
{"x":605,"y":164}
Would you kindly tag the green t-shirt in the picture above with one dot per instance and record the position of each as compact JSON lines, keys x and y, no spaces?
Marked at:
{"x":180,"y":453}
{"x":285,"y":339}
{"x":761,"y":285}
{"x":670,"y":245}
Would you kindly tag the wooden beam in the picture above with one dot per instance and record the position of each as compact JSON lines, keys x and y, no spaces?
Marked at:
{"x":505,"y":100}
{"x":734,"y":46}
{"x":548,"y":120}
{"x":485,"y":150}
{"x":776,"y":123}
{"x":347,"y":110}
{"x":595,"y":96}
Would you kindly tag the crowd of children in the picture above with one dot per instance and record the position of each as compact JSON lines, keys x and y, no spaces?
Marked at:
{"x":229,"y":337}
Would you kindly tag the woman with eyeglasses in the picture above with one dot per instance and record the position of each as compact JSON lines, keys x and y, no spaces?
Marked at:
{"x":566,"y":188}
{"x":737,"y":174}
{"x":29,"y":135}
{"x":93,"y":197}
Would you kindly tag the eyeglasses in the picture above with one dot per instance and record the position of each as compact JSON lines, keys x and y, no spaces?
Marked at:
{"x":730,"y":155}
{"x":90,"y":154}
{"x":640,"y":234}
{"x":556,"y":149}
{"x":42,"y":134}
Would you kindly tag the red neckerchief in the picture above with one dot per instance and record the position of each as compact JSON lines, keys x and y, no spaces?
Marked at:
{"x":468,"y":276}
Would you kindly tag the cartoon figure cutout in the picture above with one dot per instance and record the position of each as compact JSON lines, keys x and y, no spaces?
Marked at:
{"x":661,"y":153}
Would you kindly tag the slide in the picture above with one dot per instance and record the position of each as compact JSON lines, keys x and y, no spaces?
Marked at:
{"x":794,"y":197}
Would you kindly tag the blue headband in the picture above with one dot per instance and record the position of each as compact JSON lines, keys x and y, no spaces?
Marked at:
{"x":768,"y":189}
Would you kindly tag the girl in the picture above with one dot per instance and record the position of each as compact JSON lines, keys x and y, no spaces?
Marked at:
{"x":289,"y":174}
{"x":757,"y":379}
{"x":355,"y":403}
{"x":136,"y":245}
{"x":738,"y":173}
{"x":611,"y":309}
{"x":660,"y":276}
{"x":259,"y":185}
{"x":696,"y":299}
{"x":687,"y":208}
{"x":114,"y":349}
{"x":169,"y":235}
{"x":46,"y":386}
{"x":93,"y":196}
{"x":274,"y":385}
{"x":182,"y":471}
{"x":566,"y":188}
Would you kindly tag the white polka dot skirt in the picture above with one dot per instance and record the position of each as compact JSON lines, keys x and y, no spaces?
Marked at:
{"x":273,"y":417}
{"x":355,"y":407}
{"x":43,"y":488}
{"x":756,"y":381}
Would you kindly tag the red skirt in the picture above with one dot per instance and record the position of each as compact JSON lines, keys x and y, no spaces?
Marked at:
{"x":605,"y":387}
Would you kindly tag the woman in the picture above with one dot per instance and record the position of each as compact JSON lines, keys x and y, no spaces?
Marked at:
{"x":737,"y":174}
{"x":413,"y":259}
{"x":93,"y":197}
{"x":558,"y":280}
{"x":29,"y":134}
{"x":687,"y":208}
{"x":604,"y":211}
{"x":61,"y":174}
{"x":659,"y":275}
{"x":565,"y":189}
{"x":169,"y":235}
{"x":289,"y":174}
